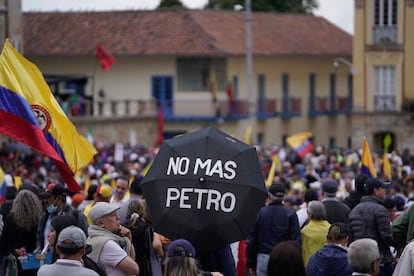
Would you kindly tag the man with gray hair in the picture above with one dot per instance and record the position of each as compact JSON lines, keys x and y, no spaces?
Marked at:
{"x":315,"y":232}
{"x":274,"y":223}
{"x":364,"y":257}
{"x":110,"y":241}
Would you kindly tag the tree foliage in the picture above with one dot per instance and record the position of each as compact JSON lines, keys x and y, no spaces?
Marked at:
{"x":284,"y":6}
{"x":170,"y":4}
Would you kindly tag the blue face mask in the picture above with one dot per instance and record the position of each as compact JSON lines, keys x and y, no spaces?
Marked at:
{"x":51,"y":209}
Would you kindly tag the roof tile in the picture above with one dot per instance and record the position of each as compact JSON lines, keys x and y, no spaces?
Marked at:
{"x":181,"y":32}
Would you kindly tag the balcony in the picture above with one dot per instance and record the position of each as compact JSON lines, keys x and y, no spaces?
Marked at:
{"x":180,"y":110}
{"x":385,"y":34}
{"x":384,"y":103}
{"x":327,"y":106}
{"x":291,"y":107}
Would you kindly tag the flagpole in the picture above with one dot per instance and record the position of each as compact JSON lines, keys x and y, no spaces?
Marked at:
{"x":249,"y":71}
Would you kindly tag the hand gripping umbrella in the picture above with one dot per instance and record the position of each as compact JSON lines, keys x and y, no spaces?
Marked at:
{"x":206,"y":187}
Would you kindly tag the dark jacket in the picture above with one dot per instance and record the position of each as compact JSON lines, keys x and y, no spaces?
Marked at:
{"x":353,"y":199}
{"x":220,"y":260}
{"x":369,"y":219}
{"x":274,"y":223}
{"x":14,"y":238}
{"x":336,"y":211}
{"x":330,"y":260}
{"x":67,"y":210}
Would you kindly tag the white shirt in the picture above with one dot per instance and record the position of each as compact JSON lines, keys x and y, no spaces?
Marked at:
{"x":111,"y":255}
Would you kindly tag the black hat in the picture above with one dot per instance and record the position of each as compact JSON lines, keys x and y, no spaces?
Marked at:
{"x":330,"y":187}
{"x":373,"y":183}
{"x":277,"y":190}
{"x":54,"y":190}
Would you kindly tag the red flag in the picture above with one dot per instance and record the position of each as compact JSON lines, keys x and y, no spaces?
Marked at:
{"x":160,"y":135}
{"x":230,"y":96}
{"x":106,"y":59}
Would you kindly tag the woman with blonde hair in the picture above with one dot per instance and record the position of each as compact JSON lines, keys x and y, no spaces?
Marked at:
{"x":20,"y":227}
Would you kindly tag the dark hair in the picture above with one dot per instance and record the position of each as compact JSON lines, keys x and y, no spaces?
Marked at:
{"x":60,"y":222}
{"x":286,"y":260}
{"x":310,"y":195}
{"x":337,"y":232}
{"x":11,"y":192}
{"x":69,"y":251}
{"x":91,"y":191}
{"x":135,"y":187}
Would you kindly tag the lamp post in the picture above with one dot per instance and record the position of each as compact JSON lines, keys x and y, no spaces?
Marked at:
{"x":249,"y":71}
{"x":341,"y":60}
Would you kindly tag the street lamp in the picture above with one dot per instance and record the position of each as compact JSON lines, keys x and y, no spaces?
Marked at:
{"x":340,"y":60}
{"x":249,"y":71}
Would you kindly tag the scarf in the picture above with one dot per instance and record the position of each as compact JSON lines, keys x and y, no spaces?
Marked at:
{"x":97,"y":238}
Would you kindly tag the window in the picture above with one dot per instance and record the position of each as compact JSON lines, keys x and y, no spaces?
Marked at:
{"x":385,"y":12}
{"x":193,"y":74}
{"x":384,"y":88}
{"x":385,"y":21}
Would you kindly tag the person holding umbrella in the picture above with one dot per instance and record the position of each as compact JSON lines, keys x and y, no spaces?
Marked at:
{"x":275,"y":223}
{"x":181,"y":260}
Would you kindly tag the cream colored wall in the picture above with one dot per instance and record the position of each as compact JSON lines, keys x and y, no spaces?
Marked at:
{"x":128,"y":78}
{"x":409,"y":51}
{"x":298,"y":69}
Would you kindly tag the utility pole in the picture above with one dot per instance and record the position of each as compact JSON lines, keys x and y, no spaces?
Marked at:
{"x":249,"y":72}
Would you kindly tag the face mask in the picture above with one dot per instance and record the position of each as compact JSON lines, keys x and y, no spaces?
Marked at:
{"x":51,"y":209}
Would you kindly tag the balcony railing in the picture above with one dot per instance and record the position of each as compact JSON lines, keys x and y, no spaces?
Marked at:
{"x":189,"y":109}
{"x":322,"y":106}
{"x":385,"y":34}
{"x":291,"y":106}
{"x":384,"y":103}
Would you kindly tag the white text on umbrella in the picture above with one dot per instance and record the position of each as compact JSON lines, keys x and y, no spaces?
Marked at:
{"x":181,"y":166}
{"x":213,"y":199}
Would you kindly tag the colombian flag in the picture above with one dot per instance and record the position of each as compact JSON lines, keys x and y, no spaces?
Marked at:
{"x":300,"y":143}
{"x":3,"y":184}
{"x":29,"y":113}
{"x":367,"y":165}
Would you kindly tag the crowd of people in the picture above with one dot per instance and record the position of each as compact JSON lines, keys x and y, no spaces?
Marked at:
{"x":321,"y":217}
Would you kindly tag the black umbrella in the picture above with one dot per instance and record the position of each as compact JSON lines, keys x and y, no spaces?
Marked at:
{"x":206,"y":187}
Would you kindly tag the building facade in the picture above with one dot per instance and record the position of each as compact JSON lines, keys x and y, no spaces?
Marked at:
{"x":383,"y":57}
{"x":170,"y":60}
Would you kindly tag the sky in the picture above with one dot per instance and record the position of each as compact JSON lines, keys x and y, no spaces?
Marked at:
{"x":339,"y":12}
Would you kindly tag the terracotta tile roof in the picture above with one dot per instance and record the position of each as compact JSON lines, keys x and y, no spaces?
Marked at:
{"x":180,"y":32}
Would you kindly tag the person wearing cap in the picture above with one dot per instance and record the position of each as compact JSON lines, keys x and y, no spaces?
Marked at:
{"x":335,"y":211}
{"x":111,"y":242}
{"x":364,"y":257}
{"x":77,"y":200}
{"x":181,"y":260}
{"x":54,"y":201}
{"x":103,"y":194}
{"x":332,"y":258}
{"x":274,"y":223}
{"x":71,"y":246}
{"x":369,"y":219}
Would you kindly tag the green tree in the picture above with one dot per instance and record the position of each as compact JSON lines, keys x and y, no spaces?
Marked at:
{"x":170,"y":4}
{"x":284,"y":6}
